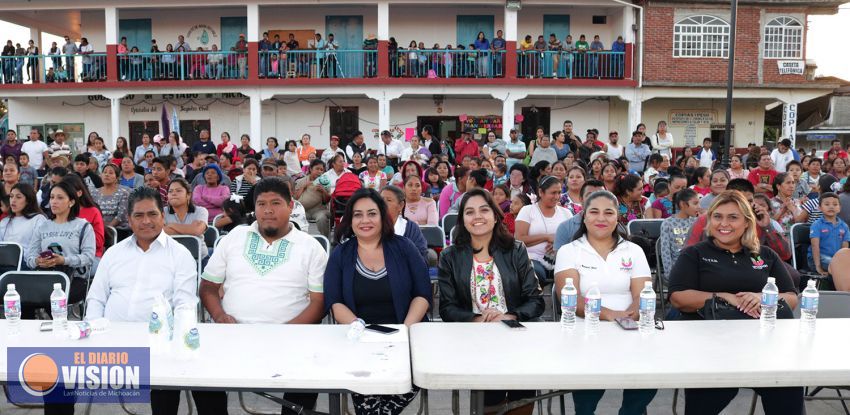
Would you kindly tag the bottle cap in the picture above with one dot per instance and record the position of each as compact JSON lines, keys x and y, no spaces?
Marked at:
{"x":569,"y":280}
{"x":647,"y":284}
{"x":57,"y":286}
{"x":811,"y":283}
{"x":771,"y":280}
{"x":10,"y":287}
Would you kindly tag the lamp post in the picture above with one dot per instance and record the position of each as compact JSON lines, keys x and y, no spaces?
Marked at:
{"x":730,"y":81}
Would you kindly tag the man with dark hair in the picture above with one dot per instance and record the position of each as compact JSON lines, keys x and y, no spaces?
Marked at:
{"x":312,"y":191}
{"x":271,"y":272}
{"x":762,"y":177}
{"x":134,"y":271}
{"x":159,"y":170}
{"x":204,"y":144}
{"x":767,"y":234}
{"x":81,"y":167}
{"x":357,"y":145}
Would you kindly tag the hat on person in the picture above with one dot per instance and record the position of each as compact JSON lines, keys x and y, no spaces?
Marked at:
{"x":597,"y":155}
{"x":371,"y":36}
{"x":467,"y":130}
{"x":385,"y":133}
{"x":59,"y":131}
{"x":270,"y":163}
{"x":334,"y":138}
{"x":157,"y":138}
{"x":241,"y":35}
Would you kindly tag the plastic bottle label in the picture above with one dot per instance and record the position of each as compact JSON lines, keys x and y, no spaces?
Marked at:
{"x":647,"y":303}
{"x":769,"y":299}
{"x":155,"y":324}
{"x":569,"y":300}
{"x":810,"y":303}
{"x":593,"y":305}
{"x":192,"y":340}
{"x":57,"y":305}
{"x":12,"y":306}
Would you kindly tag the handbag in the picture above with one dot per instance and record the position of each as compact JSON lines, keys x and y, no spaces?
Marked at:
{"x":716,"y":308}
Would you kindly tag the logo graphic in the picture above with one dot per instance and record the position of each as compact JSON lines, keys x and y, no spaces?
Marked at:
{"x":64,"y":374}
{"x":626,"y":264}
{"x":758,"y":263}
{"x":201,"y":33}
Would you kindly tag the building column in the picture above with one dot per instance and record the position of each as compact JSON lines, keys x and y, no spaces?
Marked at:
{"x":635,"y":112}
{"x":510,"y":44}
{"x":111,"y":14}
{"x":383,"y":39}
{"x":384,"y":98}
{"x":509,"y":100}
{"x":35,"y":35}
{"x":114,"y":118}
{"x":253,"y":39}
{"x":255,"y":104}
{"x":789,"y":122}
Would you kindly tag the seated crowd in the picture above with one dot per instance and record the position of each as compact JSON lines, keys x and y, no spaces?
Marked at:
{"x":519,"y":229}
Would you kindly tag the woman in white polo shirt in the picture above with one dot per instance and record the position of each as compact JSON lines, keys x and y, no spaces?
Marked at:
{"x":601,"y":256}
{"x":536,"y":225}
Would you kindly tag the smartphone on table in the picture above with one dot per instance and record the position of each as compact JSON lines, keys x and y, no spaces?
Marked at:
{"x":627,"y":323}
{"x":513,"y":324}
{"x":381,"y":329}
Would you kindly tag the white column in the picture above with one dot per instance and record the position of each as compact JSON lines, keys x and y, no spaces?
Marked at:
{"x":635,"y":101}
{"x":114,"y":122}
{"x":789,"y":122}
{"x":510,"y":26}
{"x":253,"y":22}
{"x":256,"y":128}
{"x":384,"y":98}
{"x":628,"y":23}
{"x":111,"y":14}
{"x":383,"y":20}
{"x":509,"y":100}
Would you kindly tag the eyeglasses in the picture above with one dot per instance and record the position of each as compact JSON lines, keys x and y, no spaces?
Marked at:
{"x":659,"y":324}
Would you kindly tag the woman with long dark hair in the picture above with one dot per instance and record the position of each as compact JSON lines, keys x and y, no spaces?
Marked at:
{"x":536,"y":225}
{"x":487,"y":261}
{"x":387,"y":284}
{"x":23,"y":219}
{"x":629,"y":191}
{"x":90,"y":211}
{"x":112,"y":198}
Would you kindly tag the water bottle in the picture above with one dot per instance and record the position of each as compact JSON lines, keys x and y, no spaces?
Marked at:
{"x":569,"y":301}
{"x":647,"y":309}
{"x":809,"y":308}
{"x":59,"y":310}
{"x":769,"y":302}
{"x":356,"y":329}
{"x":592,"y":308}
{"x":160,"y":325}
{"x":12,"y":310}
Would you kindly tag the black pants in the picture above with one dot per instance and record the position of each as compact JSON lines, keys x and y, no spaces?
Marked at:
{"x":784,"y":401}
{"x":496,"y":397}
{"x":305,"y":400}
{"x":165,"y":402}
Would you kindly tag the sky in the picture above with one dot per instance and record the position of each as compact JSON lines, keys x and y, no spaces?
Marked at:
{"x":823,"y":34}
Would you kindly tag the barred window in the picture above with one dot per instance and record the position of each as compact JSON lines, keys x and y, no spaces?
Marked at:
{"x":783,"y":38}
{"x":701,"y":37}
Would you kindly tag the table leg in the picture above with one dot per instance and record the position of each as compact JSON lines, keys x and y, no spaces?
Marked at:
{"x":334,"y":404}
{"x":476,"y":402}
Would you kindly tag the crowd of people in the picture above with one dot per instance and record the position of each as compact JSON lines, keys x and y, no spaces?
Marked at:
{"x":531,"y":212}
{"x":279,"y":58}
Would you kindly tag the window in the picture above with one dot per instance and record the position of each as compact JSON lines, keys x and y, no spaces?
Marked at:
{"x":783,"y":38}
{"x":701,"y":37}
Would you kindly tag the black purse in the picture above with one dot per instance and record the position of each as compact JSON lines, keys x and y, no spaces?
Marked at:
{"x":716,"y":308}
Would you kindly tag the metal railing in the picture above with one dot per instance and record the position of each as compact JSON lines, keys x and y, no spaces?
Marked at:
{"x":454,"y":63}
{"x":570,"y":65}
{"x":159,"y":66}
{"x":33,"y":69}
{"x":319,"y":64}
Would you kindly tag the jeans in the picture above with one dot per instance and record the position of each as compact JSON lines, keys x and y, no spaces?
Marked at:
{"x":785,"y":401}
{"x":207,"y":402}
{"x":544,"y":276}
{"x":635,"y":401}
{"x":825,"y":260}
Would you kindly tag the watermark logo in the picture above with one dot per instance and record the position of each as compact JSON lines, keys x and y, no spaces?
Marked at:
{"x":68,"y":374}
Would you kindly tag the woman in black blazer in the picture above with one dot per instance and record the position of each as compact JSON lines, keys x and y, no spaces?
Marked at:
{"x":378,"y":277}
{"x":486,"y":259}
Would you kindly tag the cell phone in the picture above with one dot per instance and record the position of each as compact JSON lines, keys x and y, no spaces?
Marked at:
{"x":55,"y":248}
{"x":46,"y":326}
{"x":513,"y":324}
{"x":381,"y":329}
{"x":46,"y":254}
{"x":627,"y":323}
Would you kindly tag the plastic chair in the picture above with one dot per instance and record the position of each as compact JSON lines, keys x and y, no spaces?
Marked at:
{"x":324,"y":242}
{"x":448,"y":224}
{"x":11,"y":256}
{"x":660,"y":284}
{"x":800,"y":244}
{"x":210,"y":235}
{"x":434,"y":236}
{"x":194,"y":245}
{"x":34,"y":287}
{"x":647,"y":228}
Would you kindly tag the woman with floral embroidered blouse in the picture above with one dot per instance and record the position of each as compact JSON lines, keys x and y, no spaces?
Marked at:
{"x":373,"y":178}
{"x":629,"y":191}
{"x":486,"y":276}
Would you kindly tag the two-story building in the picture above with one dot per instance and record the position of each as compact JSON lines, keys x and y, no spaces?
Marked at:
{"x":396,"y":65}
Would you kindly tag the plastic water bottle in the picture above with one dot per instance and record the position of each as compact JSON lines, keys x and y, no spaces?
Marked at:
{"x":59,"y":310}
{"x":12,"y":310}
{"x":769,"y":302}
{"x":809,"y":308}
{"x":356,"y":329}
{"x":647,"y":309}
{"x":569,"y":301}
{"x":592,"y":308}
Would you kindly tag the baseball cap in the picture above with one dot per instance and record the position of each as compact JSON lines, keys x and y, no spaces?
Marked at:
{"x":270,"y":163}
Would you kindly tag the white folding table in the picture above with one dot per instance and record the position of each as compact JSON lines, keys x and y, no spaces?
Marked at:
{"x":256,"y":357}
{"x":692,"y":354}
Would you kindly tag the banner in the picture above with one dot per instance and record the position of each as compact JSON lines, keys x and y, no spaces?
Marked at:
{"x":789,"y":122}
{"x":791,"y":67}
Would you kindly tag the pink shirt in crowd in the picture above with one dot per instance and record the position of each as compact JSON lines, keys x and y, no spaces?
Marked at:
{"x":210,"y":198}
{"x":423,"y":212}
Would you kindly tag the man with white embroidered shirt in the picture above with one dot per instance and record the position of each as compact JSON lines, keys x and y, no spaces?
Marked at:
{"x":270,"y":271}
{"x":391,"y":148}
{"x":134,"y":271}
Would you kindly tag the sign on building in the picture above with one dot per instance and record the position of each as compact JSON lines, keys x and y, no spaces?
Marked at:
{"x":791,"y":67}
{"x":691,"y":119}
{"x":789,"y":122}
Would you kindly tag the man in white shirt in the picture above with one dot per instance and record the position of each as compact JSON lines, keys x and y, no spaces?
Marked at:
{"x":391,"y":148}
{"x":615,"y":150}
{"x":357,"y":145}
{"x":706,"y":155}
{"x":134,"y":271}
{"x":271,"y":272}
{"x":781,"y":155}
{"x":35,"y":148}
{"x":331,"y":151}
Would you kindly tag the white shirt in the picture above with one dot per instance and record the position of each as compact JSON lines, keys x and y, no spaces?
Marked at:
{"x":662,"y":144}
{"x":393,"y":149}
{"x":35,"y":149}
{"x":541,"y":225}
{"x":408,"y":152}
{"x":613,"y":275}
{"x":20,"y":229}
{"x":614,"y":152}
{"x":332,"y":177}
{"x":329,"y":153}
{"x":128,"y":279}
{"x":780,"y":160}
{"x":263,"y":282}
{"x":706,"y":158}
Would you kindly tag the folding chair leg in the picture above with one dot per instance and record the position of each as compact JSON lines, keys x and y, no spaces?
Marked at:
{"x":190,"y":402}
{"x":754,"y":402}
{"x":423,"y":402}
{"x":675,"y":401}
{"x":843,"y":403}
{"x":250,"y":410}
{"x":563,"y":405}
{"x":455,"y":402}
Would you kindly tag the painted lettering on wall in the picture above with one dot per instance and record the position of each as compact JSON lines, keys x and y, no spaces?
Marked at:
{"x":142,"y":109}
{"x":201,"y":34}
{"x":194,"y":108}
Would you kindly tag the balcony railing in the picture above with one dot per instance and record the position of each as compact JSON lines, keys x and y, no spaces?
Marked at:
{"x":183,"y":65}
{"x":571,"y":65}
{"x":455,"y":63}
{"x":53,"y":68}
{"x":347,"y":64}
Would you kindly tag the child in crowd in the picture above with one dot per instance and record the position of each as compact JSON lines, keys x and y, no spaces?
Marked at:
{"x":517,"y":203}
{"x":801,"y":187}
{"x":663,"y":204}
{"x":502,"y":197}
{"x":811,"y":206}
{"x":435,"y":184}
{"x":28,"y":173}
{"x":701,"y":181}
{"x":652,"y":172}
{"x":761,"y":200}
{"x":676,"y":228}
{"x":500,"y":175}
{"x":828,"y":234}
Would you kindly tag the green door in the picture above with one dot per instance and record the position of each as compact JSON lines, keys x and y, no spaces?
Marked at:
{"x":137,"y":32}
{"x":231,"y":28}
{"x":468,"y":27}
{"x":348,"y":34}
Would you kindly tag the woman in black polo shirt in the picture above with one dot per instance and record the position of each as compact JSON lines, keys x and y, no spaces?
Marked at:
{"x":733,"y":266}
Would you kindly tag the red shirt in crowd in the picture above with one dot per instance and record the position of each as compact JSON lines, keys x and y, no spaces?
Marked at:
{"x":466,"y":148}
{"x":758,"y":176}
{"x":93,"y":216}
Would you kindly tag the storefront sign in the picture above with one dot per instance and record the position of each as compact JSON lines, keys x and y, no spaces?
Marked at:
{"x":789,"y":122}
{"x":701,"y":118}
{"x":791,"y":67}
{"x":201,"y":34}
{"x":690,"y":135}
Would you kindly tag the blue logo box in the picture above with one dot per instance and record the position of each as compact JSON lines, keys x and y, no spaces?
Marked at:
{"x":78,"y":374}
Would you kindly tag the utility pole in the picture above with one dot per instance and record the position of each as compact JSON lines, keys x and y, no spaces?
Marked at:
{"x":730,"y":84}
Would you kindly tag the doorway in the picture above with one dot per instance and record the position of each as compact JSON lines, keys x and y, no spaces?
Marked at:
{"x":348,"y":34}
{"x":138,"y":128}
{"x":533,"y":117}
{"x":345,"y":121}
{"x":468,"y":27}
{"x":137,"y":32}
{"x":190,"y":130}
{"x":443,"y":127}
{"x":231,"y":28}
